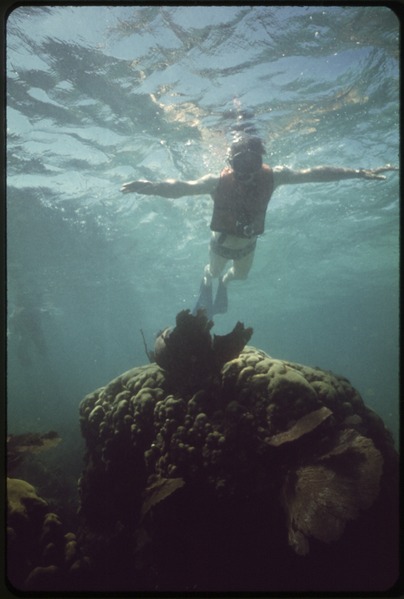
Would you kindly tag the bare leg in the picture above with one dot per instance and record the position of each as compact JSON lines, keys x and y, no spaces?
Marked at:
{"x":214,"y":269}
{"x":239,"y":269}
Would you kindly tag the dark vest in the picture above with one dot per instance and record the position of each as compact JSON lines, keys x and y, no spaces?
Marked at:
{"x":239,"y":209}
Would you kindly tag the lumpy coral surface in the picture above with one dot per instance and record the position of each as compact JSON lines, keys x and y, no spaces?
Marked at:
{"x":223,"y":486}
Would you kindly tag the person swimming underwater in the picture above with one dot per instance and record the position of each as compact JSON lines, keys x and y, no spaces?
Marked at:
{"x":25,"y":324}
{"x":241,"y":194}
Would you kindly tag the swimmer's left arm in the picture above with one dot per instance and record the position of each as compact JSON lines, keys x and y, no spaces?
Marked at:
{"x":284,"y":175}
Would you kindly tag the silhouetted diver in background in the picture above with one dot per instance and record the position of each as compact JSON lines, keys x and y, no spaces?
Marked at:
{"x":25,"y":324}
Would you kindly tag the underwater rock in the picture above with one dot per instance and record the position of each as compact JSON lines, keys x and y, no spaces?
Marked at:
{"x":274,"y":470}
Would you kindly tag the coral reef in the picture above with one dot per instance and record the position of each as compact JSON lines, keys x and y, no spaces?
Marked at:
{"x":41,"y":554}
{"x":188,"y":354}
{"x":224,"y":469}
{"x":18,"y":446}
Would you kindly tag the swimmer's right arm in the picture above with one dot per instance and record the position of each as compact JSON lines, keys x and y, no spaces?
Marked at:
{"x":172,"y":188}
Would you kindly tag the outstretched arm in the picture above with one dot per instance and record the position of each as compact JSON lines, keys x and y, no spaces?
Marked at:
{"x":172,"y":188}
{"x":324,"y":174}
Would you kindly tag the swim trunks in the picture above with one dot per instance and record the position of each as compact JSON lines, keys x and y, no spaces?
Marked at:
{"x":231,"y":253}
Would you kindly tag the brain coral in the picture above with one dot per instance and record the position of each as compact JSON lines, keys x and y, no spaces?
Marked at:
{"x":267,"y":462}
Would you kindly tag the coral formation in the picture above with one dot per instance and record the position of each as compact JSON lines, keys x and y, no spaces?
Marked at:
{"x":18,"y":446}
{"x":188,"y":354}
{"x":321,"y":497}
{"x":22,"y":500}
{"x":255,"y":463}
{"x":41,"y":555}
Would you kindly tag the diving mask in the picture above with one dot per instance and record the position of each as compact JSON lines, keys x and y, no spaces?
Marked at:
{"x":246,"y":163}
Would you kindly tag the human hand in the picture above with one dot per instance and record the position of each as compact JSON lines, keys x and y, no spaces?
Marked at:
{"x":374,"y":172}
{"x":140,"y":186}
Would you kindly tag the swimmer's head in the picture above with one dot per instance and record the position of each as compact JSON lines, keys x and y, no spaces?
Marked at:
{"x":245,"y":156}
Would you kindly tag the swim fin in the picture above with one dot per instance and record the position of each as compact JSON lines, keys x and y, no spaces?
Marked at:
{"x":221,"y":301}
{"x":204,"y":301}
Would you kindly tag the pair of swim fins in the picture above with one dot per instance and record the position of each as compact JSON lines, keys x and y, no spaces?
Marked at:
{"x":205,"y":299}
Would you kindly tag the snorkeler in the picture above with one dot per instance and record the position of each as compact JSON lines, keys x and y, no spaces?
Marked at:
{"x":25,"y":324}
{"x":241,"y":194}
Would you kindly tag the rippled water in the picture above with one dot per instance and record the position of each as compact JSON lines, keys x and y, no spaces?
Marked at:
{"x":101,"y":95}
